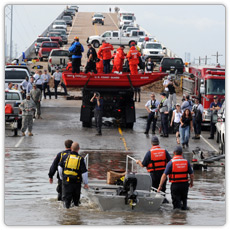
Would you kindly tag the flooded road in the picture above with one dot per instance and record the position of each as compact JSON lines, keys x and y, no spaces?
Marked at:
{"x":31,"y":200}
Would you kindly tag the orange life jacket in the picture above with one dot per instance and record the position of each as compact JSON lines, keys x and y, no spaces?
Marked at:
{"x":133,"y":56}
{"x":119,"y":57}
{"x":158,"y":159}
{"x":179,"y":170}
{"x":105,"y":51}
{"x":69,"y":66}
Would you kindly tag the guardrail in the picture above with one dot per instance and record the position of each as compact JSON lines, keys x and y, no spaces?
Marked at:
{"x":31,"y":48}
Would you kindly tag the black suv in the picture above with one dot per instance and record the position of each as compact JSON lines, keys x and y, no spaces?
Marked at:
{"x":172,"y":64}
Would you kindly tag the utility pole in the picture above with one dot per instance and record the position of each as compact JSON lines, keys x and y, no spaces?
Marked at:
{"x":206,"y":60}
{"x":217,"y":57}
{"x":6,"y":43}
{"x":11,"y":33}
{"x":16,"y":51}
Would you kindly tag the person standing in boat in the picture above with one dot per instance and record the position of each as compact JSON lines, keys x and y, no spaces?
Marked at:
{"x":178,"y":169}
{"x":155,"y":161}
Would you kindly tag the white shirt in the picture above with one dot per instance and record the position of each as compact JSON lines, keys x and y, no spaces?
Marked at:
{"x":151,"y":102}
{"x":46,"y":77}
{"x":24,"y":84}
{"x":38,"y":79}
{"x":177,"y":116}
{"x":166,"y":83}
{"x":198,"y":107}
{"x":57,"y":76}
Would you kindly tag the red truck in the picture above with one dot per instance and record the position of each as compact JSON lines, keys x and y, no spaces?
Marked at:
{"x":56,"y":37}
{"x":45,"y":49}
{"x":205,"y":82}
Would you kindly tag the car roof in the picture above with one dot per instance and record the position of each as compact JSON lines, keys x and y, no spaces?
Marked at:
{"x":59,"y":50}
{"x":12,"y":91}
{"x":16,"y":69}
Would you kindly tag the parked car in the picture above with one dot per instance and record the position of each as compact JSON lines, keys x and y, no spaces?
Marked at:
{"x":152,"y":50}
{"x":141,"y":40}
{"x":20,"y":66}
{"x":68,"y":13}
{"x":39,"y":42}
{"x":58,"y":58}
{"x":129,"y":29}
{"x":56,"y":37}
{"x":46,"y":48}
{"x":98,"y":18}
{"x":172,"y":64}
{"x":67,"y":19}
{"x":59,"y":23}
{"x":63,"y":34}
{"x":74,"y":7}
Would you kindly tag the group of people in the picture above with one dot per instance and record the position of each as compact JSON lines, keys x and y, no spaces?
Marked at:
{"x":100,"y":62}
{"x":183,"y":119}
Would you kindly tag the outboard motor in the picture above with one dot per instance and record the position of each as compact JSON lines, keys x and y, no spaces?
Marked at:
{"x":128,"y":190}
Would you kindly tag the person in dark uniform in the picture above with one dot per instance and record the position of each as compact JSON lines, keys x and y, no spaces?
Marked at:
{"x":98,"y":111}
{"x":54,"y":167}
{"x":178,"y":169}
{"x":214,"y":107}
{"x":155,"y":161}
{"x":92,"y":58}
{"x":73,"y":171}
{"x":164,"y":111}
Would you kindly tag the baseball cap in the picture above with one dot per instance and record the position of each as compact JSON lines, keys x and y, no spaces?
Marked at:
{"x":177,"y":104}
{"x":27,"y":94}
{"x":88,"y":44}
{"x":155,"y":140}
{"x":178,"y":149}
{"x":103,"y":40}
{"x":163,"y":94}
{"x":215,"y":97}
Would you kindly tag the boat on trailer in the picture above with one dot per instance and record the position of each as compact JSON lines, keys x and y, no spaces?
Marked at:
{"x":136,"y":194}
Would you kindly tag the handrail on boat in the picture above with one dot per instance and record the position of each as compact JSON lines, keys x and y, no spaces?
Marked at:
{"x":127,"y":162}
{"x":87,"y":161}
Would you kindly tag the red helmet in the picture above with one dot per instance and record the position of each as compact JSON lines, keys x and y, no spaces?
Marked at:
{"x":132,"y":43}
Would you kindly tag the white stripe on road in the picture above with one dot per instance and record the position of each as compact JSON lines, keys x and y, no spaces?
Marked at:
{"x":19,"y":142}
{"x":209,"y":143}
{"x":113,"y":21}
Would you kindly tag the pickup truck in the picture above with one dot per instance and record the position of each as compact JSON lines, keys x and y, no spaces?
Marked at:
{"x":56,"y":37}
{"x":13,"y":118}
{"x":46,"y":48}
{"x":115,"y":38}
{"x":58,"y":58}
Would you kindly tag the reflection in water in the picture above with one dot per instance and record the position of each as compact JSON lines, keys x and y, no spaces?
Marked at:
{"x":178,"y":217}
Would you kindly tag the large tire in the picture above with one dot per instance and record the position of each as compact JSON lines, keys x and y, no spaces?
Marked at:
{"x":96,"y":44}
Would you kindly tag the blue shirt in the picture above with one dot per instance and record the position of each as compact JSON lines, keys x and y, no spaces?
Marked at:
{"x":168,"y":169}
{"x":73,"y":47}
{"x":147,"y":158}
{"x":100,"y":108}
{"x":215,"y":105}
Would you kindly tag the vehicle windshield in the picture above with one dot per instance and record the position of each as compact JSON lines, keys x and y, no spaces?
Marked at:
{"x":63,"y":32}
{"x":55,"y":35}
{"x":67,"y":18}
{"x":141,"y":39}
{"x":215,"y":86}
{"x":131,"y":28}
{"x":59,"y":23}
{"x":107,"y":34}
{"x":153,"y":46}
{"x":40,"y":40}
{"x":12,"y":96}
{"x":13,"y":74}
{"x":59,"y":53}
{"x":49,"y":44}
{"x":173,"y":62}
{"x":130,"y":18}
{"x":98,"y":15}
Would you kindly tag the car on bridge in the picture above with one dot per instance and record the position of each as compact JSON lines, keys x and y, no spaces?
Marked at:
{"x":67,"y":19}
{"x":98,"y":18}
{"x":59,"y":23}
{"x":46,"y":48}
{"x":39,"y":42}
{"x":56,"y":37}
{"x":63,"y":33}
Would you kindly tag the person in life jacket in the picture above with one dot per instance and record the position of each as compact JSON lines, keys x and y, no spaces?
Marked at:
{"x":113,"y":56}
{"x":105,"y":52}
{"x":69,"y":65}
{"x":72,"y":170}
{"x":133,"y":58}
{"x":119,"y":59}
{"x":76,"y":49}
{"x":178,"y":170}
{"x":99,"y":64}
{"x":155,"y":161}
{"x":54,"y":167}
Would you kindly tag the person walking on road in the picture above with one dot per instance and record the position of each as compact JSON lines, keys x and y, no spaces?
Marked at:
{"x":186,"y":104}
{"x":98,"y":111}
{"x":155,"y":161}
{"x":30,"y":85}
{"x":57,"y":79}
{"x":178,"y":169}
{"x":105,"y":52}
{"x":38,"y":80}
{"x":36,"y":96}
{"x":72,"y":171}
{"x":185,"y":127}
{"x":92,"y":58}
{"x":151,"y":107}
{"x":54,"y":167}
{"x":119,"y":59}
{"x":76,"y":49}
{"x":165,"y":85}
{"x":214,"y":107}
{"x":172,"y":92}
{"x":46,"y":78}
{"x":164,"y":111}
{"x":27,"y":107}
{"x":175,"y":121}
{"x":133,"y":58}
{"x":197,"y":111}
{"x":23,"y":86}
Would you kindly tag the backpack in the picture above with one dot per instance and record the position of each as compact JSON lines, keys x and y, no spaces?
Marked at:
{"x":78,"y":51}
{"x":198,"y":115}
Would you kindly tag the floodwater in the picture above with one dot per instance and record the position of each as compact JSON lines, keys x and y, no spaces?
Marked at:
{"x":31,"y":200}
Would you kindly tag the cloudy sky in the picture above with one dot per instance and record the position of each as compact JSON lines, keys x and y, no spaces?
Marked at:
{"x":195,"y":29}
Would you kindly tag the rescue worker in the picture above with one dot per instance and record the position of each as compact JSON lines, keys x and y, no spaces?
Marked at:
{"x":54,"y":167}
{"x":164,"y":111}
{"x":119,"y":59}
{"x":151,"y":107}
{"x":46,"y":78}
{"x":133,"y":58}
{"x":23,"y":86}
{"x":57,"y":79}
{"x":69,"y":65}
{"x":36,"y":96}
{"x":30,"y":85}
{"x":38,"y":80}
{"x":105,"y":53}
{"x":214,"y":107}
{"x":92,"y":58}
{"x":113,"y":56}
{"x":98,"y":111}
{"x":72,"y":171}
{"x":76,"y":49}
{"x":27,"y":107}
{"x":178,"y":169}
{"x":155,"y":161}
{"x":100,"y":66}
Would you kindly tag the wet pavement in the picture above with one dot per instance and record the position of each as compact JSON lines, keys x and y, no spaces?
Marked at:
{"x":31,"y":200}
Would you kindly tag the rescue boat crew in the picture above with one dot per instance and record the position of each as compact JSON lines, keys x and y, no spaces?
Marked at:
{"x":155,"y":161}
{"x":119,"y":59}
{"x":54,"y":167}
{"x":133,"y":58}
{"x":92,"y":58}
{"x":99,"y":64}
{"x":105,"y":53}
{"x":72,"y":171}
{"x":178,"y":169}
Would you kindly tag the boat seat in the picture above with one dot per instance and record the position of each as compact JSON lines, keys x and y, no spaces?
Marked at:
{"x":144,"y":181}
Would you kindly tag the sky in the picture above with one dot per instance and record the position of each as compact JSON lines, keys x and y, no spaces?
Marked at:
{"x":195,"y":29}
